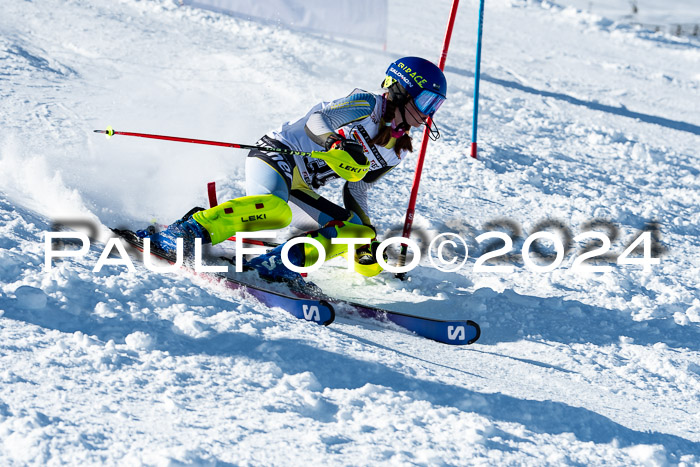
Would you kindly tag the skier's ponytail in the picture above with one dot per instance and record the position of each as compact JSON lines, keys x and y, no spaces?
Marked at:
{"x":384,"y":135}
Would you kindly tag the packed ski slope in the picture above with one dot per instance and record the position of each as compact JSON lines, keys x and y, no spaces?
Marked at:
{"x":581,"y":119}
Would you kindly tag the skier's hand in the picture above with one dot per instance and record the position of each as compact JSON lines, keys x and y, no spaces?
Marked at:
{"x":350,"y":146}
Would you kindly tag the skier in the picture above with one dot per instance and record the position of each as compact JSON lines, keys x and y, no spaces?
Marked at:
{"x":365,"y":135}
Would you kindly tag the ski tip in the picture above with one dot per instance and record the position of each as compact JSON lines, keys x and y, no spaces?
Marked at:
{"x":331,"y":309}
{"x":478,"y":332}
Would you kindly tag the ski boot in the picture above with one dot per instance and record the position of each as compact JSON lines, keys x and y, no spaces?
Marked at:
{"x":366,"y":259}
{"x":186,"y":228}
{"x":270,"y":266}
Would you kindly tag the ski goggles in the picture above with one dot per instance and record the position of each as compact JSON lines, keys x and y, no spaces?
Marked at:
{"x":428,"y":102}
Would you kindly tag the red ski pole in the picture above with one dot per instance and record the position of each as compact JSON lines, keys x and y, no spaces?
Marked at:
{"x":111,"y":132}
{"x":341,"y":162}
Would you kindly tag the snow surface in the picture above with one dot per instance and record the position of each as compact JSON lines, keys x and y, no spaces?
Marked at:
{"x":651,"y":12}
{"x":581,"y":118}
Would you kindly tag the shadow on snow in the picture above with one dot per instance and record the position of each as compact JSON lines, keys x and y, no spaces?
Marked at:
{"x":295,"y":356}
{"x":617,"y":110}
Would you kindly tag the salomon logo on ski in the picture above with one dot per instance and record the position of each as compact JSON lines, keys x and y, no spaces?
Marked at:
{"x":311,"y":313}
{"x":456,"y":333}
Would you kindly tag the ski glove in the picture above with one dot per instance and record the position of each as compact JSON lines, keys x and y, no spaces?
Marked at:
{"x":355,"y":149}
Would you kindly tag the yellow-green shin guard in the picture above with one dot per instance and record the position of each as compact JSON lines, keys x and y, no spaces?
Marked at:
{"x":343,"y":230}
{"x":367,"y":270}
{"x":245,"y":214}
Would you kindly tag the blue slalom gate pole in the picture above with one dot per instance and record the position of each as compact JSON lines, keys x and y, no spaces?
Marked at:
{"x":477,"y":75}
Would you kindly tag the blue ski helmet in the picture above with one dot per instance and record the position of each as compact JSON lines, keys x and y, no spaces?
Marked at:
{"x":421,"y":79}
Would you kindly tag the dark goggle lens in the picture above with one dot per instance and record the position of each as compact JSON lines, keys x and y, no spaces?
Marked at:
{"x":428,"y":102}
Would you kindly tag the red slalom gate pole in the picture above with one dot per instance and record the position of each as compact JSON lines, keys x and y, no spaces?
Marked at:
{"x":410,"y":211}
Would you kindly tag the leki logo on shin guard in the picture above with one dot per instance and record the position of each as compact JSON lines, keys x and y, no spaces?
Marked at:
{"x":254,"y":218}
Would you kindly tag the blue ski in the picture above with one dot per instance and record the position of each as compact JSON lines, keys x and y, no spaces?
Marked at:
{"x":308,"y":308}
{"x":319,"y":308}
{"x":454,"y":332}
